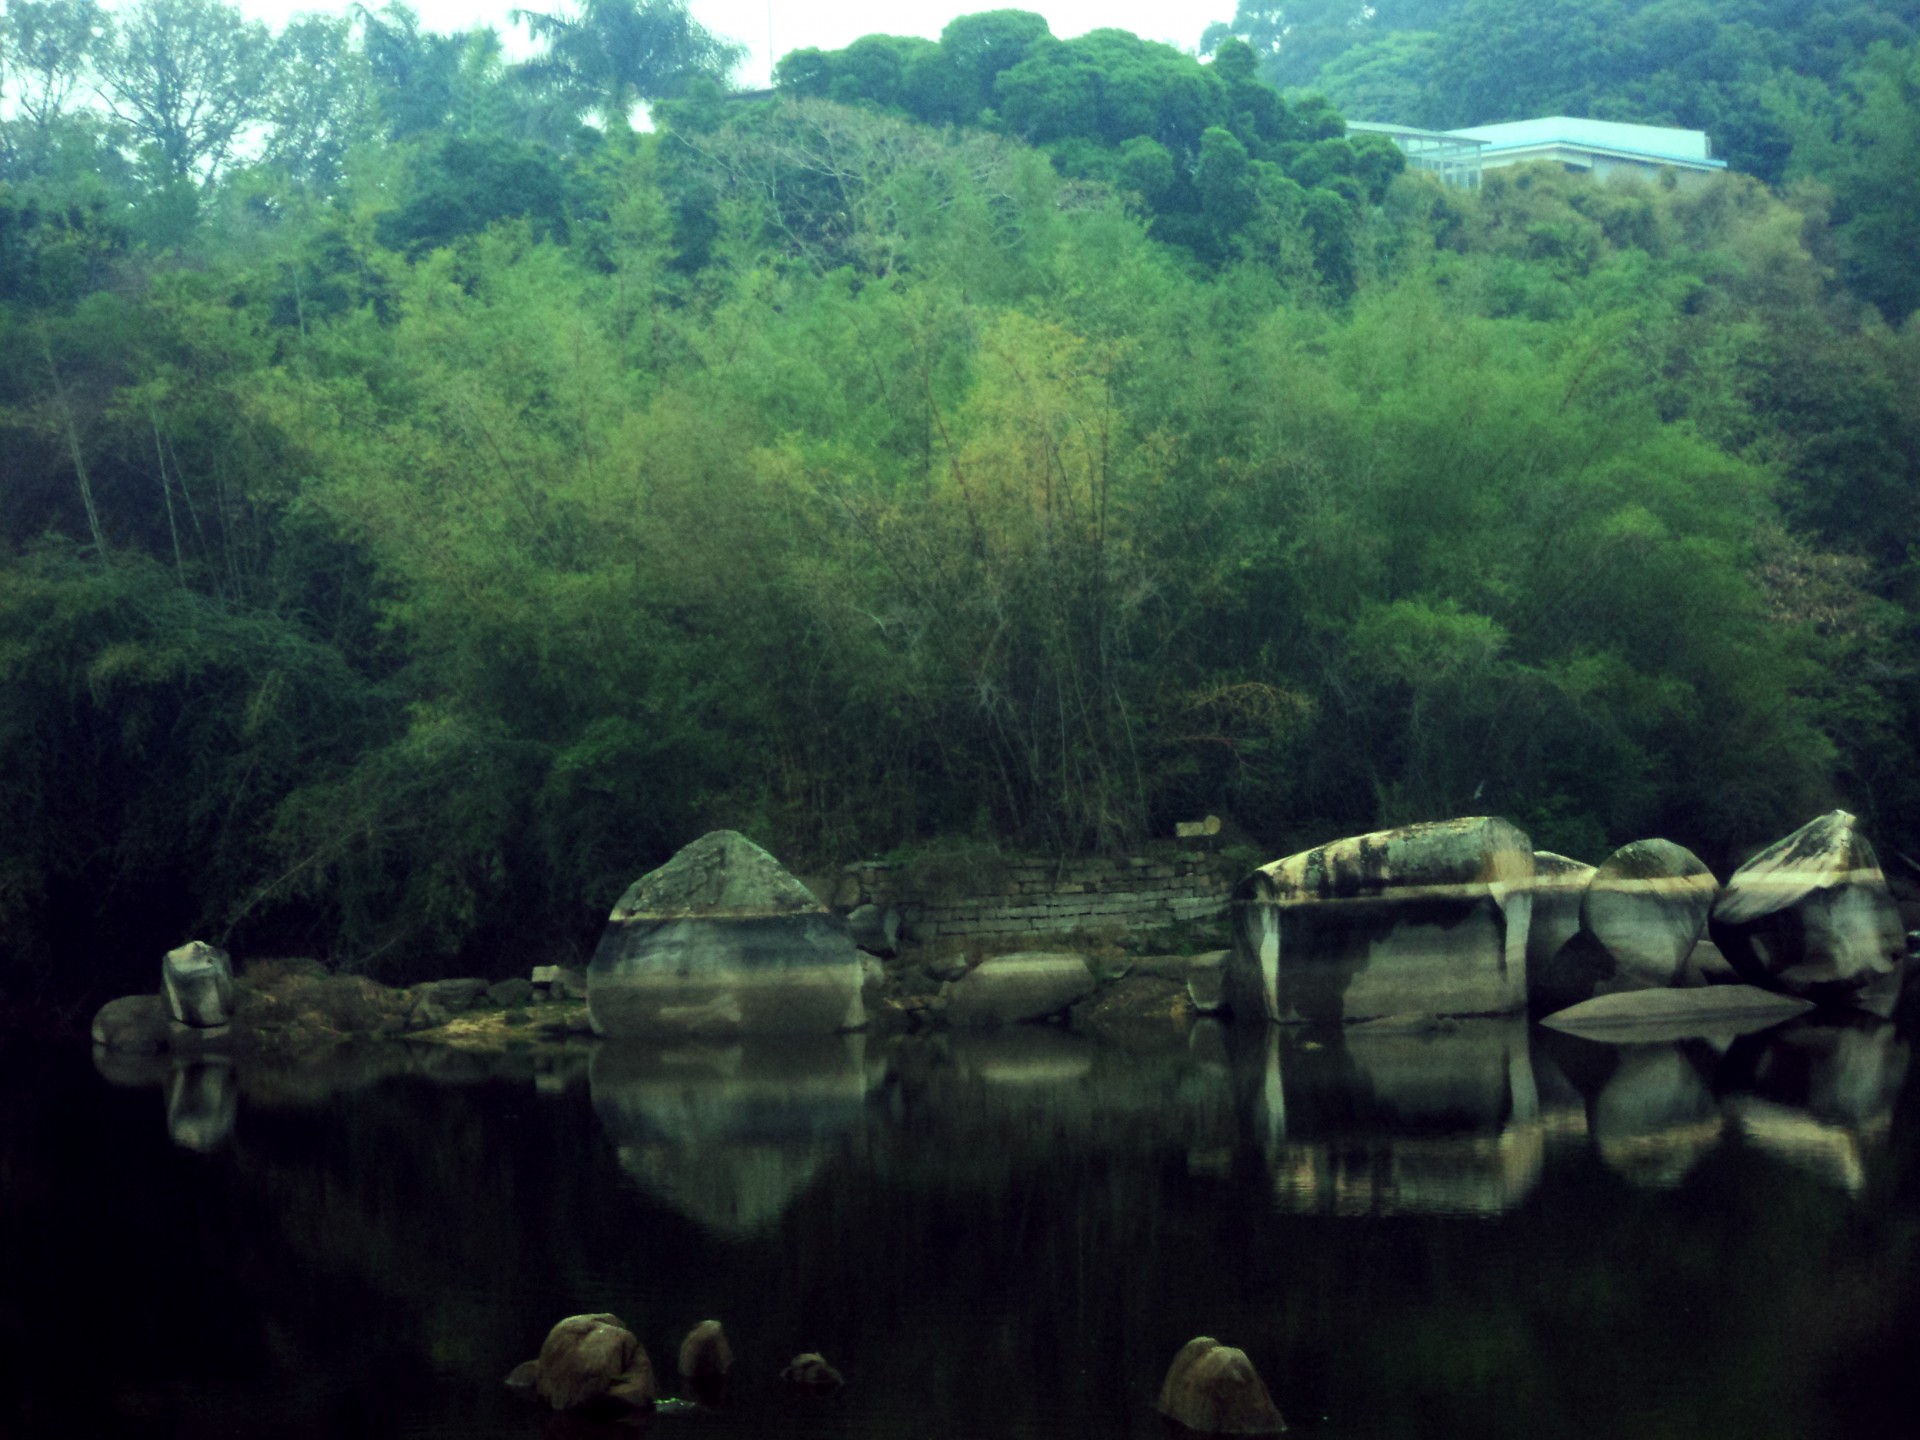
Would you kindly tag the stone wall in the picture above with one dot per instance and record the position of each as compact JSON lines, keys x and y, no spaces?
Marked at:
{"x":1015,"y":897}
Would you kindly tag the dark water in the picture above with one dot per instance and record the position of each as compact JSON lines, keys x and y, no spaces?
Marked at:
{"x":1492,"y":1232}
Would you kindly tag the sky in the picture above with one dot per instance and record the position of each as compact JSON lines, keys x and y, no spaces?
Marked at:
{"x":796,"y":24}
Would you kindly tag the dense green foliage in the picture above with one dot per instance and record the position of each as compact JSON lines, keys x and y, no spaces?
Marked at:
{"x":420,"y":519}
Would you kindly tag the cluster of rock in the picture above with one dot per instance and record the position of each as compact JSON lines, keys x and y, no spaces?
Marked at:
{"x":293,"y":1007}
{"x":594,"y":1365}
{"x":1463,"y":917}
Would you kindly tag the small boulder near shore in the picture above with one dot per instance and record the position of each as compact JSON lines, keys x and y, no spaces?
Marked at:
{"x":1428,"y":919}
{"x":721,"y":941}
{"x":1214,"y":1389}
{"x":1811,"y":915}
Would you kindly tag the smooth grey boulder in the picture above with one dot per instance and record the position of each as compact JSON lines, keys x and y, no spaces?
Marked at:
{"x":722,"y":941}
{"x":197,"y":980}
{"x":1811,"y":915}
{"x":1429,"y":919}
{"x":1646,"y":906}
{"x":1010,"y":989}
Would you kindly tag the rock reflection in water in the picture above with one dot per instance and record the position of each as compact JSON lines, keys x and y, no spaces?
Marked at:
{"x":1381,"y":1121}
{"x":1816,"y":1093}
{"x":203,"y":1097}
{"x":730,"y":1134}
{"x":1820,"y":1095}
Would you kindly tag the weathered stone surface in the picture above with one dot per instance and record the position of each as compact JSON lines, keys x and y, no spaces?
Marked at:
{"x":1207,"y":982}
{"x":721,"y":941}
{"x":705,"y":1353}
{"x":1811,"y":914}
{"x":456,"y":995}
{"x":132,"y":1025}
{"x":1214,"y":1389}
{"x":197,"y":980}
{"x":1428,"y":919}
{"x":1646,"y":1016}
{"x":1009,"y":989}
{"x":510,"y":992}
{"x":1645,"y":907}
{"x":593,"y":1360}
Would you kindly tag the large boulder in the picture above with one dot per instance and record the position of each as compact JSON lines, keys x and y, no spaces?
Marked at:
{"x":593,"y":1362}
{"x":1646,"y":906}
{"x":197,"y":980}
{"x":1811,"y":915}
{"x":1009,"y":989}
{"x":1429,"y":919}
{"x":723,"y":941}
{"x":1214,"y":1389}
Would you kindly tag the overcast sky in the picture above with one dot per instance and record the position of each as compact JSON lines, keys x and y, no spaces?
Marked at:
{"x":828,"y":24}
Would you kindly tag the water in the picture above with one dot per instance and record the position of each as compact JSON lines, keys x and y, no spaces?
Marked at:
{"x":1492,"y":1231}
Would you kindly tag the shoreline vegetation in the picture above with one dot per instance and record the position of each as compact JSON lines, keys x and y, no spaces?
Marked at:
{"x":430,"y":502}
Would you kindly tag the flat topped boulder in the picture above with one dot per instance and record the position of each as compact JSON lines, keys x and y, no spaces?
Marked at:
{"x":1428,"y":919}
{"x":722,"y":941}
{"x":1811,"y":914}
{"x":722,"y":875}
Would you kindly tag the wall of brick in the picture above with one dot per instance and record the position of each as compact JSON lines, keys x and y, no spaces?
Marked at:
{"x":1048,"y":896}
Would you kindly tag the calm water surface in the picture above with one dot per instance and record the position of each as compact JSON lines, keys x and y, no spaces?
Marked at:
{"x":1490,"y":1232}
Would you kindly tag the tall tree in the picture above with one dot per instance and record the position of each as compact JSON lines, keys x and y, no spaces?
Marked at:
{"x":610,"y":55}
{"x":188,"y":78}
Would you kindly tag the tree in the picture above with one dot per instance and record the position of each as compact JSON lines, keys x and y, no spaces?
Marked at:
{"x":188,"y":78}
{"x":45,"y":47}
{"x":611,"y":55}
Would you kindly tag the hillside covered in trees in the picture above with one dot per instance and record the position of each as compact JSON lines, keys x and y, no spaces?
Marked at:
{"x":427,"y":500}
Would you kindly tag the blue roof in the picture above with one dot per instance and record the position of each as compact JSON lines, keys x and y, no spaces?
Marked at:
{"x":1658,"y":142}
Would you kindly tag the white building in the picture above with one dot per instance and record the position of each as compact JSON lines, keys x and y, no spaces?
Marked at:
{"x":1605,"y":149}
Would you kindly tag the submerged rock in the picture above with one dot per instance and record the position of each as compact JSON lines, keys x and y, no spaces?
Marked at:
{"x":1811,"y":915}
{"x":1428,"y":919}
{"x":1010,"y":989}
{"x":1214,"y":1389}
{"x":197,"y":980}
{"x":722,"y":941}
{"x":1646,"y":906}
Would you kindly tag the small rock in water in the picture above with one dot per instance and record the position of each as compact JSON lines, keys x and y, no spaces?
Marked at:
{"x":705,"y":1352}
{"x":811,"y":1372}
{"x":1214,"y":1389}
